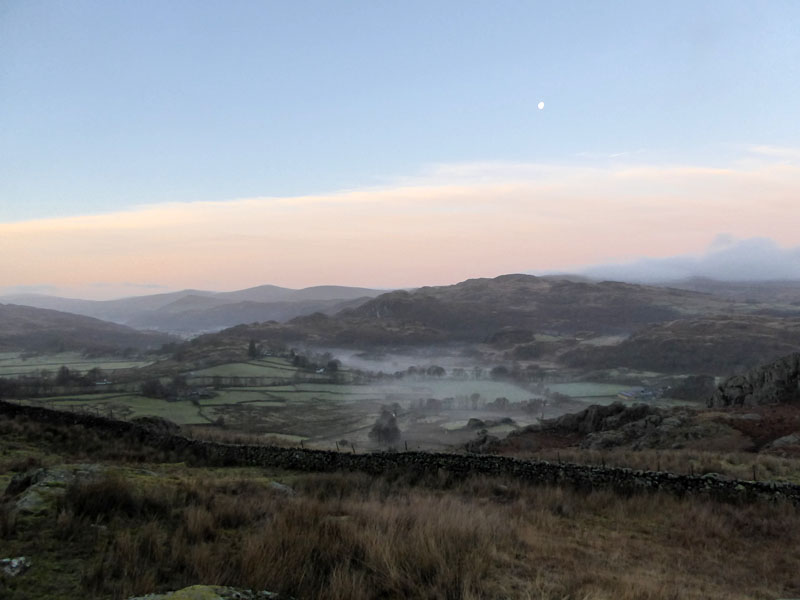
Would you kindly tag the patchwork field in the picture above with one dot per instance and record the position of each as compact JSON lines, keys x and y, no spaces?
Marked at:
{"x":255,"y":399}
{"x":271,"y":399}
{"x":277,"y":367}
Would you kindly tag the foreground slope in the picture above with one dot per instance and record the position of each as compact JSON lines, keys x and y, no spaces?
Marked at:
{"x":101,"y":515}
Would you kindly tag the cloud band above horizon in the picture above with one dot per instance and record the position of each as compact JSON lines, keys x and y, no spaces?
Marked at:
{"x":457,"y":222}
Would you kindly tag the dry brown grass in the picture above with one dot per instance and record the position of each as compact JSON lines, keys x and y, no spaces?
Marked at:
{"x":355,"y":537}
{"x":8,"y":520}
{"x":398,"y":536}
{"x":80,"y":443}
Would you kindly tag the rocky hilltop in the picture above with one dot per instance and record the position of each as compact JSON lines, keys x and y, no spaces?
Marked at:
{"x":775,"y":383}
{"x":616,"y":425}
{"x":491,"y":310}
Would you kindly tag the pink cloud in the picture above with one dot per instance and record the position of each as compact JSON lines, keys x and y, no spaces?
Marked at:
{"x":453,"y":223}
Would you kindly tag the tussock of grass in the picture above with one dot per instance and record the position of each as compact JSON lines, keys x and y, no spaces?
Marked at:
{"x":352,"y":536}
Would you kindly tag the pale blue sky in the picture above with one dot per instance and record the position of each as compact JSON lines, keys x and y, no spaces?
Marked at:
{"x":106,"y":104}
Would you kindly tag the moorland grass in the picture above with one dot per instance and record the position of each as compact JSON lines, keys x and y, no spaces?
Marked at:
{"x":152,"y":523}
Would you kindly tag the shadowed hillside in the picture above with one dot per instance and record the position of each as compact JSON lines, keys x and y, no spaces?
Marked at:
{"x":719,"y":344}
{"x":42,"y":330}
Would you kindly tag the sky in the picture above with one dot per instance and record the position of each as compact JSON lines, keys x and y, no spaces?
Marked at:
{"x":149,"y":146}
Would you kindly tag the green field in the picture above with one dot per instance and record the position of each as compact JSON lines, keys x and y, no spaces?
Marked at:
{"x":322,"y":413}
{"x":129,"y":406}
{"x":13,"y":363}
{"x":277,"y":368}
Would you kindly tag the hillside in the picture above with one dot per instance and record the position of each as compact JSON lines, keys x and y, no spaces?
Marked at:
{"x":116,"y":510}
{"x":479,"y":310}
{"x":23,"y":328}
{"x":714,"y":344}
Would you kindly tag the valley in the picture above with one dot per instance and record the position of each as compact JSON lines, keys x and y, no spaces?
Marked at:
{"x":635,"y":383}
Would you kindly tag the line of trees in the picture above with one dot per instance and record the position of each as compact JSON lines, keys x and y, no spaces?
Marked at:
{"x":46,"y":382}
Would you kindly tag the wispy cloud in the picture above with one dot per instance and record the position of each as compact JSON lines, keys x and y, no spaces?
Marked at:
{"x":444,"y":225}
{"x":779,"y":152}
{"x":28,"y":289}
{"x":726,"y":258}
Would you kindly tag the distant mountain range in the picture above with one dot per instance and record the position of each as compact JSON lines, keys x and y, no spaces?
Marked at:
{"x":197,"y":311}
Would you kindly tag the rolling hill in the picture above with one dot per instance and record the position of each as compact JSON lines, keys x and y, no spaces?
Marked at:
{"x":24,"y":328}
{"x":478,"y":310}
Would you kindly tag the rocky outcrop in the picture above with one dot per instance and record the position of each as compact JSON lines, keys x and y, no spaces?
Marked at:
{"x":601,"y":418}
{"x":12,"y":567}
{"x":793,"y":439}
{"x":36,"y":491}
{"x":636,"y":427}
{"x":775,"y":383}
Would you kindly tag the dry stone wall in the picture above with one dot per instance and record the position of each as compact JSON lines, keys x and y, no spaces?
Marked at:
{"x":626,"y":481}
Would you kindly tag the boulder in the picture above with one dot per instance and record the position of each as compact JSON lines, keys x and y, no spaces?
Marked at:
{"x":281,"y":489}
{"x":601,"y":418}
{"x":792,"y":439}
{"x":34,"y":491}
{"x":210,"y":592}
{"x":15,"y":566}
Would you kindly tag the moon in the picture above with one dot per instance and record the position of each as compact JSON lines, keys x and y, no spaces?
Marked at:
{"x":540,"y":105}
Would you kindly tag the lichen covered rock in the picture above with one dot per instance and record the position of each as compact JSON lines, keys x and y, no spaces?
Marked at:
{"x":210,"y":592}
